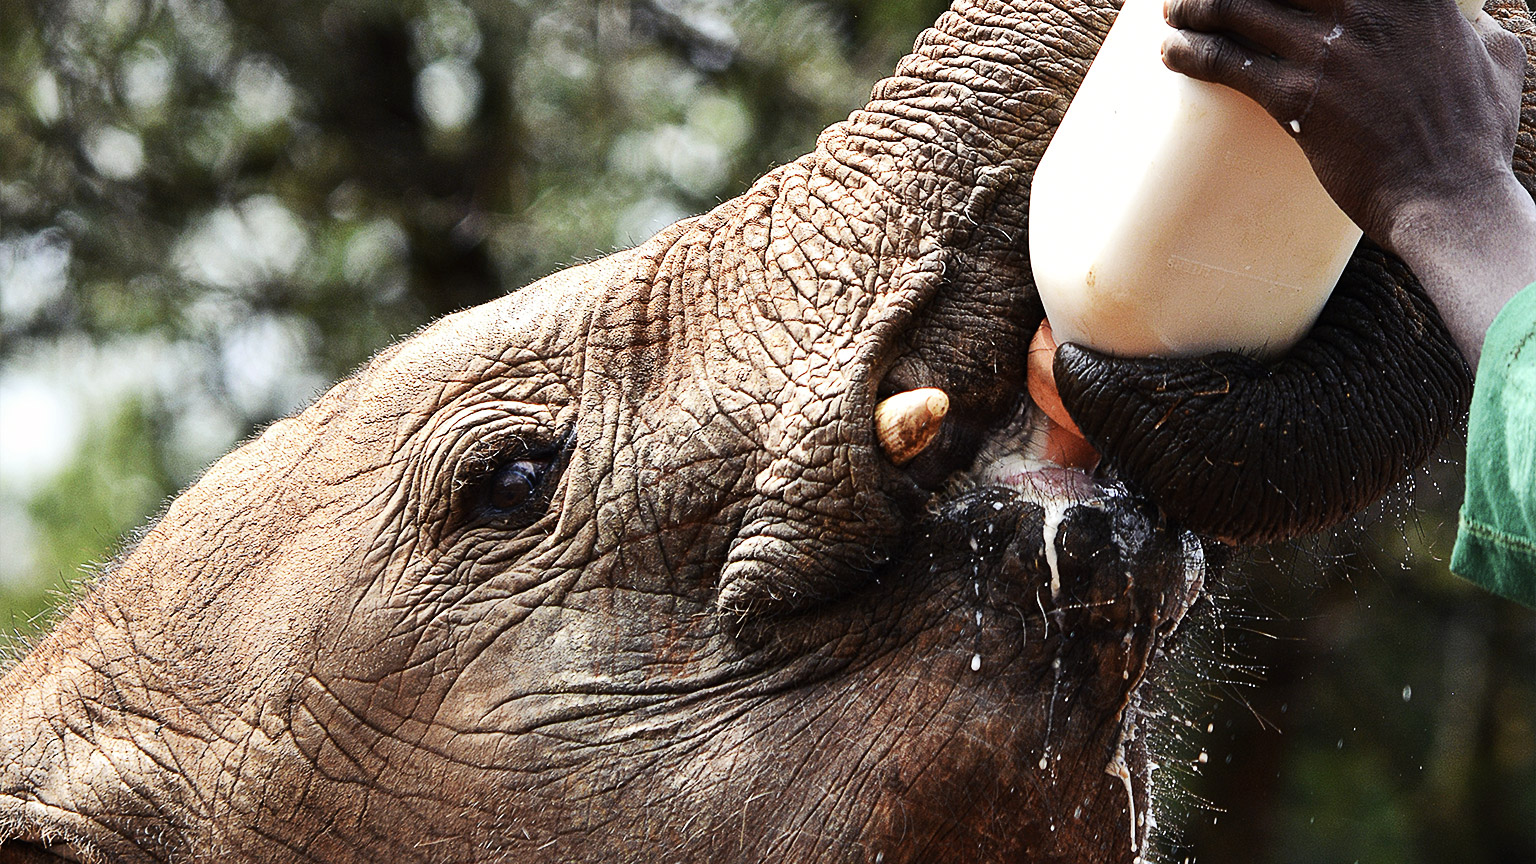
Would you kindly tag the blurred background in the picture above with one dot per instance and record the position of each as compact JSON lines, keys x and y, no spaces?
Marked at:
{"x":210,"y":209}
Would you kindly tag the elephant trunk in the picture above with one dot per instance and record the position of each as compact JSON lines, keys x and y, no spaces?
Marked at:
{"x":1252,"y":453}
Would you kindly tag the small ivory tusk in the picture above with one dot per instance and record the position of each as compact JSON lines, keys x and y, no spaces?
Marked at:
{"x":905,"y":424}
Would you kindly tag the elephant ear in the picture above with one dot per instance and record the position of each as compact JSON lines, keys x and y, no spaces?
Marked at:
{"x":1252,"y":452}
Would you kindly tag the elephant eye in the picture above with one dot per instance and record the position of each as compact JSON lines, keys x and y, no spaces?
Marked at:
{"x":505,"y":484}
{"x":516,"y":483}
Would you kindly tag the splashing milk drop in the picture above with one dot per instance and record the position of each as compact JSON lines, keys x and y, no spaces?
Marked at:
{"x":1055,"y":511}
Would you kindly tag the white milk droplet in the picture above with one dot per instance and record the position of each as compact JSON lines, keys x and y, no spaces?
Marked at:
{"x":1050,"y":525}
{"x":1118,"y":768}
{"x":975,"y":662}
{"x":1295,"y":127}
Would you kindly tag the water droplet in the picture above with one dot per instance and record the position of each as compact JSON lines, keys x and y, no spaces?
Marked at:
{"x":1203,"y":758}
{"x":1407,"y":692}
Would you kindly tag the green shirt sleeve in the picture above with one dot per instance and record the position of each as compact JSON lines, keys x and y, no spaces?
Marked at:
{"x":1496,"y":543}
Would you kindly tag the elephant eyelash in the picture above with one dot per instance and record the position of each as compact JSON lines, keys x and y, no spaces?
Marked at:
{"x":510,"y":488}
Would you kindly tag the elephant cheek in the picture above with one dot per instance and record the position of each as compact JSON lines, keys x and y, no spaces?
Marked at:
{"x":808,"y":534}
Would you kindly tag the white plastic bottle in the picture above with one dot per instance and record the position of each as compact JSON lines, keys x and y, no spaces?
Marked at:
{"x":1174,"y":217}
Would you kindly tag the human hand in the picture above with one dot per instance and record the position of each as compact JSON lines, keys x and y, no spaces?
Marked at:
{"x":1400,"y":105}
{"x":1409,"y":115}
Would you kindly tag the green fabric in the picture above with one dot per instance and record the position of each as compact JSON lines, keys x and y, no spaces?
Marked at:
{"x":1496,"y":546}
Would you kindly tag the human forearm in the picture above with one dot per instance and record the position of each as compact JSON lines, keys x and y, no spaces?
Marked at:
{"x":1472,"y":253}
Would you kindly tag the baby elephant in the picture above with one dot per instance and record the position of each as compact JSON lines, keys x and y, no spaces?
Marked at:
{"x":621,"y":567}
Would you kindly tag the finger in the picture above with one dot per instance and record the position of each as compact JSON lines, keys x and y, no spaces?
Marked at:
{"x":1504,"y":47}
{"x":1221,"y":60}
{"x":1331,"y":10}
{"x":1262,"y":25}
{"x":1510,"y":60}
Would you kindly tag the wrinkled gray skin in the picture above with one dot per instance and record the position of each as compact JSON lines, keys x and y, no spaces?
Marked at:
{"x":725,"y":627}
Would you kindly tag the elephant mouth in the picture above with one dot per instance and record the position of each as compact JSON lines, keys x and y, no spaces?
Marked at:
{"x":1018,"y":458}
{"x":1083,"y":584}
{"x":25,"y":851}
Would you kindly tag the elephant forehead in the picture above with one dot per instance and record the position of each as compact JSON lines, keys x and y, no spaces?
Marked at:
{"x":353,"y":442}
{"x":514,"y":347}
{"x":778,"y":289}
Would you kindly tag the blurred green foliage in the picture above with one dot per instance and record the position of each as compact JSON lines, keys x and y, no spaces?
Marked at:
{"x":211,"y":208}
{"x":1385,"y":711}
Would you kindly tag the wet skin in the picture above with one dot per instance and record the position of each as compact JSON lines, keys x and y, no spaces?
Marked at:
{"x":614,"y":568}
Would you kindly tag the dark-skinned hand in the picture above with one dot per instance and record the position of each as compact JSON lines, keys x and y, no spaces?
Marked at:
{"x":1398,"y":102}
{"x":1409,"y":116}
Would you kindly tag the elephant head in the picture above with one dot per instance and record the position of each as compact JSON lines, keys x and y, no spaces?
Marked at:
{"x":615,"y":568}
